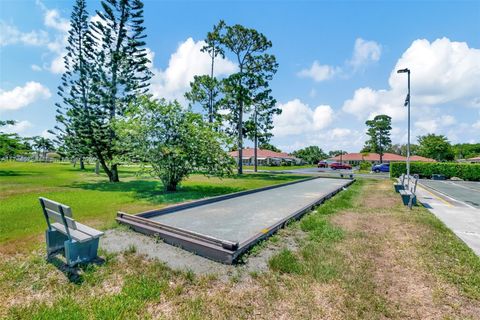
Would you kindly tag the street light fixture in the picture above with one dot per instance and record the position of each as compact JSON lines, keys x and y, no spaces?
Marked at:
{"x":407,"y":103}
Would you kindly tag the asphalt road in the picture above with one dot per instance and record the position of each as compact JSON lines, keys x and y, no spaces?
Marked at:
{"x":327,"y":172}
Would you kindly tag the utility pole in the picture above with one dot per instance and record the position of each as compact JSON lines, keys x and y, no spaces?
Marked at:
{"x":255,"y":158}
{"x":407,"y":104}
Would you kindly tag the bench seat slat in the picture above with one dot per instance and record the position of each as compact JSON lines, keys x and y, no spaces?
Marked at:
{"x":75,"y":234}
{"x":90,"y":231}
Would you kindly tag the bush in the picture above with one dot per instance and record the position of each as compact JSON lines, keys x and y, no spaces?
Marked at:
{"x":464,"y":171}
{"x":365,"y":165}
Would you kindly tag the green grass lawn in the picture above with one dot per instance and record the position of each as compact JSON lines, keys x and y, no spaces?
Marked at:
{"x":362,"y":255}
{"x":93,"y":199}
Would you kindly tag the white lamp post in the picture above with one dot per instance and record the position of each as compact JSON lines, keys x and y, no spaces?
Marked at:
{"x":407,"y":103}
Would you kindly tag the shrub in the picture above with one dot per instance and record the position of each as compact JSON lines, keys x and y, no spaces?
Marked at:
{"x":464,"y":171}
{"x":365,"y":165}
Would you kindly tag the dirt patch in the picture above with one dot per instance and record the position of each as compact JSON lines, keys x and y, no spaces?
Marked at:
{"x":387,"y":200}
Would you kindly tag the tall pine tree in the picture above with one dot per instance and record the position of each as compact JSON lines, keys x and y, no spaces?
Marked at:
{"x":121,"y":76}
{"x":379,"y":131}
{"x":74,"y":111}
{"x":255,"y":69}
{"x":205,"y":89}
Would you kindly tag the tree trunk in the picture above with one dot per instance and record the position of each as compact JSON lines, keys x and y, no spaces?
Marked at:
{"x":82,"y":164}
{"x":97,"y":168}
{"x":210,"y":94}
{"x":240,"y":140}
{"x":171,"y":186}
{"x":114,"y":171}
{"x":240,"y":131}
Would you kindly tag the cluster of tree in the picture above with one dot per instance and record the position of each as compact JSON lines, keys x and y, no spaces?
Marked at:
{"x":245,"y":95}
{"x":106,"y":111}
{"x":435,"y":142}
{"x":431,"y":145}
{"x":466,"y":150}
{"x":436,"y":147}
{"x":12,"y":145}
{"x":311,"y":154}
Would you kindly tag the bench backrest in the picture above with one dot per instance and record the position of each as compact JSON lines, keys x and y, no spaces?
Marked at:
{"x":413,"y":183}
{"x":58,"y":212}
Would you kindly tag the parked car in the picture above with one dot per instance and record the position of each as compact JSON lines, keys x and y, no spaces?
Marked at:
{"x":322,"y":164}
{"x":382,"y":167}
{"x":338,"y":165}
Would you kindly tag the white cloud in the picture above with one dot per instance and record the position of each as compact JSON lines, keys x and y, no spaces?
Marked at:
{"x":427,"y":126}
{"x":339,"y":133}
{"x":318,"y":72}
{"x":20,"y":97}
{"x":186,"y":62}
{"x":47,"y":134}
{"x":36,"y":67}
{"x":53,"y":20}
{"x":436,"y":125}
{"x":333,"y":139}
{"x":442,"y":71}
{"x":447,"y":120}
{"x":297,"y":118}
{"x":18,"y":127}
{"x":476,"y":125}
{"x":367,"y":103}
{"x":9,"y":35}
{"x":56,"y":43}
{"x":365,"y":52}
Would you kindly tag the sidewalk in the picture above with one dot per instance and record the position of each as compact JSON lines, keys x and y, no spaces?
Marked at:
{"x":462,"y":219}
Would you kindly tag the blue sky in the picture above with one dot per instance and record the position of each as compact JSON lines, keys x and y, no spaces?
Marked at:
{"x":337,"y":63}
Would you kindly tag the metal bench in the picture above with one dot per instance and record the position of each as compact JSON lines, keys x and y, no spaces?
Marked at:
{"x":80,"y":242}
{"x":409,"y":197}
{"x":400,"y":183}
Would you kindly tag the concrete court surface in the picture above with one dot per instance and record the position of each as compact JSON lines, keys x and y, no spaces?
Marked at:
{"x":462,"y":218}
{"x":240,"y":218}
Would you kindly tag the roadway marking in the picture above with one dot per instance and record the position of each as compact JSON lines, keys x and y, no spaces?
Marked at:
{"x":437,"y":197}
{"x":451,"y":198}
{"x":462,"y":186}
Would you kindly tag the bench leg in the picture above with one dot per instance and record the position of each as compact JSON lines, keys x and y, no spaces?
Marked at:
{"x":80,"y":252}
{"x":405,"y":199}
{"x":55,"y":241}
{"x":413,"y":200}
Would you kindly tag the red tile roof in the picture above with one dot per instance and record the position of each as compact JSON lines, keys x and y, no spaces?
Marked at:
{"x":369,"y":157}
{"x":421,"y":159}
{"x":261,"y":153}
{"x":376,"y":157}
